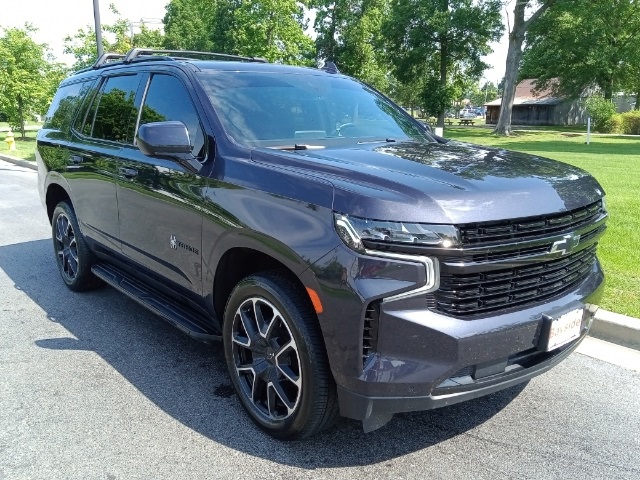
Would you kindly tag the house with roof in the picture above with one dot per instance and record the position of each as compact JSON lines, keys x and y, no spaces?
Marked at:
{"x":539,"y":107}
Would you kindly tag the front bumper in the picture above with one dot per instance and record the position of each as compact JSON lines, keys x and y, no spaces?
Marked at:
{"x":422,"y":359}
{"x":375,"y":412}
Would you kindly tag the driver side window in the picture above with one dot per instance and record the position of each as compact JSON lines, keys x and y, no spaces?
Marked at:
{"x":167,"y":99}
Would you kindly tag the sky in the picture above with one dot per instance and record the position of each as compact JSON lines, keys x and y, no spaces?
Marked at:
{"x":56,"y":19}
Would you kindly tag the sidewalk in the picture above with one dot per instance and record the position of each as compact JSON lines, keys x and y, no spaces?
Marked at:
{"x":608,"y":326}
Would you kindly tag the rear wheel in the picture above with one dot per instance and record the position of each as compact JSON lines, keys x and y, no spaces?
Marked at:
{"x":73,"y":256}
{"x":276,"y":358}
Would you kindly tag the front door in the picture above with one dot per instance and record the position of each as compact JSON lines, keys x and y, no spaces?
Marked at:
{"x":160,"y":200}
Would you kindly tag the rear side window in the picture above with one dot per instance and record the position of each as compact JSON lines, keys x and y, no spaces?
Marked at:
{"x":167,"y":99}
{"x":65,"y":105}
{"x":113,"y":112}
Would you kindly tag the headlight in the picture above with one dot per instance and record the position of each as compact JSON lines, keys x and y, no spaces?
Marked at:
{"x":356,"y":231}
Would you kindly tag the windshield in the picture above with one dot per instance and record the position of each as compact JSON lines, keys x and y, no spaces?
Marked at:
{"x":276,"y":109}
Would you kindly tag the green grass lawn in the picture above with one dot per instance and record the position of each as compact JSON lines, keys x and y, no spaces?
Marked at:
{"x":615,"y":162}
{"x":25,"y":149}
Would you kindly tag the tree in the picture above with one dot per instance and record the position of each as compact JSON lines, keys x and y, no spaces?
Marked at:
{"x":82,"y":45}
{"x":514,"y":57}
{"x":443,"y":42}
{"x":349,"y":34}
{"x":586,"y":43}
{"x":484,"y":93}
{"x":28,"y":77}
{"x":273,"y":29}
{"x":187,"y":25}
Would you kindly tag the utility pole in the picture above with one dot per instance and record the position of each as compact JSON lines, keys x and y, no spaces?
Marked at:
{"x":96,"y":17}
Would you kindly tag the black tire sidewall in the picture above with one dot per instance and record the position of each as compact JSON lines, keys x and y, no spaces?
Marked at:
{"x":265,"y":287}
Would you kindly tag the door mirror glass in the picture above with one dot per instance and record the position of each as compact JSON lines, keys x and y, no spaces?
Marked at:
{"x":163,"y":139}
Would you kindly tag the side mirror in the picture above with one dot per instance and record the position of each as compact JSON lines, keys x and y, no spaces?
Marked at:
{"x":163,"y":139}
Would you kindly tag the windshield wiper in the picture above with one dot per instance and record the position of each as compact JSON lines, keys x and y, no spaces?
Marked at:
{"x":386,"y":140}
{"x":298,"y":146}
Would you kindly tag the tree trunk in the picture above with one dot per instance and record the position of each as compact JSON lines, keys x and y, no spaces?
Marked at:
{"x":331,"y":51}
{"x":514,"y":55}
{"x":21,"y":116}
{"x":443,"y":78}
{"x":637,"y":106}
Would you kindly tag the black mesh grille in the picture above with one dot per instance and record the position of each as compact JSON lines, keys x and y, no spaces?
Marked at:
{"x":475,"y":234}
{"x":464,"y":295}
{"x":370,"y":331}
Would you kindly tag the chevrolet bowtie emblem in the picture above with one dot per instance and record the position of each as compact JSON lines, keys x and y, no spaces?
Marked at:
{"x":566,"y":245}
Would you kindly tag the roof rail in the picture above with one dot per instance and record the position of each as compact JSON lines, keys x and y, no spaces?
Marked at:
{"x":136,"y":53}
{"x":106,"y":58}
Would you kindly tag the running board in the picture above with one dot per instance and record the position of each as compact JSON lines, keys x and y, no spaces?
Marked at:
{"x":183,"y":318}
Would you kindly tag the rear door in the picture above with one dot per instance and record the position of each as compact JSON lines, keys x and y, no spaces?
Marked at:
{"x":160,"y":200}
{"x":99,"y":135}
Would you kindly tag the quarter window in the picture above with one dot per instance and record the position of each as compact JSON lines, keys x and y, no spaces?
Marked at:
{"x":167,"y":100}
{"x":65,"y":104}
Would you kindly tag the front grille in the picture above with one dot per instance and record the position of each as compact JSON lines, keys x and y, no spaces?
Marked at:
{"x":476,"y":234}
{"x":466,"y":295}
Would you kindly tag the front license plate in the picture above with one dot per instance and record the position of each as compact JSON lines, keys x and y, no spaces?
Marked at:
{"x":561,"y":330}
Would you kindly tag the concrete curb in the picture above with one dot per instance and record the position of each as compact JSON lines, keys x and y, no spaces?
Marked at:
{"x":18,"y":161}
{"x":609,"y":326}
{"x":616,"y":328}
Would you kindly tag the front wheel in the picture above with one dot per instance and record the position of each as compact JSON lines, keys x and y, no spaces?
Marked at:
{"x":276,"y":357}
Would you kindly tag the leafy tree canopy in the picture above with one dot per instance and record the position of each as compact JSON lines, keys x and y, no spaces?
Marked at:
{"x":586,"y":43}
{"x":273,"y":29}
{"x":117,"y":38}
{"x":441,"y":41}
{"x":28,"y":75}
{"x":349,"y":33}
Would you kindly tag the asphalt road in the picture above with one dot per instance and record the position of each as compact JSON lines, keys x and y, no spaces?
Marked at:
{"x":92,"y":386}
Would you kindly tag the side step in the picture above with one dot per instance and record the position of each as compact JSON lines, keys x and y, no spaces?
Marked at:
{"x":183,"y":318}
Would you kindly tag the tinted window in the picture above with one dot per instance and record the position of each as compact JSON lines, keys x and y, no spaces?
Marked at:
{"x":113,"y":114}
{"x":167,"y":99}
{"x":65,"y":104}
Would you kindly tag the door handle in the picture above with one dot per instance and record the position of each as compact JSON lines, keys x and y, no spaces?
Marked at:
{"x":76,"y":159}
{"x":128,"y":172}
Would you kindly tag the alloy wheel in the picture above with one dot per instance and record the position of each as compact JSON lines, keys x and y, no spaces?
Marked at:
{"x":266,"y":359}
{"x":66,"y":246}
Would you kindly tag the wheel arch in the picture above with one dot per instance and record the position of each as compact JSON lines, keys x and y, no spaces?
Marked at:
{"x":55,"y":193}
{"x":241,"y":261}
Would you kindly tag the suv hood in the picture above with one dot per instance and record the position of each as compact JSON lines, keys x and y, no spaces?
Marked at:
{"x":443,"y":183}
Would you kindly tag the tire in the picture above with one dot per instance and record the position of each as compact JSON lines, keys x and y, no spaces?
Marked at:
{"x":73,"y":257}
{"x":277,"y":359}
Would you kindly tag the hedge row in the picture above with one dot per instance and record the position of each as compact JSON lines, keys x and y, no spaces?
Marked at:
{"x":626,"y":123}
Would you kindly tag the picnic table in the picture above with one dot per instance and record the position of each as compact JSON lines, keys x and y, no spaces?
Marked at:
{"x":465,"y":121}
{"x":433,"y":120}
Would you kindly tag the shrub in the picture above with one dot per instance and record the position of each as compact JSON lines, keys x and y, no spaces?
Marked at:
{"x":600,"y":111}
{"x":631,"y":122}
{"x":614,"y":125}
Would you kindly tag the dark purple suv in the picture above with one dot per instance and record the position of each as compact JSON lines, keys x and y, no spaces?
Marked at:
{"x":351,"y":262}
